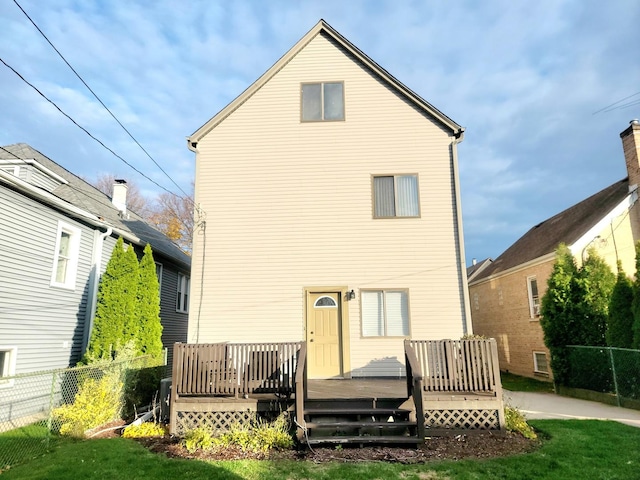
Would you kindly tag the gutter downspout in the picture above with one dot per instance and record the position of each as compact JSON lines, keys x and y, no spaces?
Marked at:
{"x":92,"y":300}
{"x":466,"y":310}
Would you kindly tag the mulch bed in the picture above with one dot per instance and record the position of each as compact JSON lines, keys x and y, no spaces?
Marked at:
{"x":477,"y":445}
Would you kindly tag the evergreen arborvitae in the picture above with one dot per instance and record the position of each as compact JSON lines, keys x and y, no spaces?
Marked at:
{"x":130,"y":284}
{"x":149,"y":339}
{"x":560,"y":310}
{"x":116,"y":304}
{"x":596,"y":282}
{"x":636,"y":302}
{"x":620,"y":320}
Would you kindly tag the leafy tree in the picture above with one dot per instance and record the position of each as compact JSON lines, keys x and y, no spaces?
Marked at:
{"x":595,"y":283}
{"x":173,"y":216}
{"x":170,"y":214}
{"x":620,"y":319}
{"x":636,"y":301}
{"x":149,"y":339}
{"x":114,"y":322}
{"x":560,"y":311}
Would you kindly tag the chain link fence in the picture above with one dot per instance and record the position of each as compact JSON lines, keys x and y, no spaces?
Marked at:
{"x":607,"y":370}
{"x":30,"y":404}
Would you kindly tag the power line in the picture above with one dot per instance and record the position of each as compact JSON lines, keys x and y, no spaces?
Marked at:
{"x":99,"y":100}
{"x":608,"y":107}
{"x":84,"y":129}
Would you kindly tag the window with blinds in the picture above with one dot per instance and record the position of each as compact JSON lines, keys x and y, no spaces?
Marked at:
{"x":395,"y":196}
{"x":385,"y":313}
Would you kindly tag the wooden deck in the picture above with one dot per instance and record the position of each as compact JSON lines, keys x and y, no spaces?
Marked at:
{"x":356,"y":388}
{"x":450,"y":385}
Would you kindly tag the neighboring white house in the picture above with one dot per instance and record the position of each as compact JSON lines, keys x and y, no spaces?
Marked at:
{"x":333,"y":214}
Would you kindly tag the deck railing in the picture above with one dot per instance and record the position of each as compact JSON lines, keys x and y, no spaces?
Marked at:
{"x":458,"y":365}
{"x":460,"y":384}
{"x":234,"y":369}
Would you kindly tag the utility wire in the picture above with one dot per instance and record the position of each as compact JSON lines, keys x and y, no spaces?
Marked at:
{"x":101,"y":102}
{"x":82,"y":128}
{"x":608,"y":107}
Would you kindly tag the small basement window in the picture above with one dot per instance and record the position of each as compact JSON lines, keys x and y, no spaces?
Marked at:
{"x":540,"y":364}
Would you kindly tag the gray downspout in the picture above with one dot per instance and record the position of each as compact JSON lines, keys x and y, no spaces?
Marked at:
{"x":466,"y":310}
{"x":92,"y":300}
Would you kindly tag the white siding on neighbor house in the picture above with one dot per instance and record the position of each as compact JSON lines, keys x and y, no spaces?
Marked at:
{"x":289,"y":205}
{"x":44,"y":322}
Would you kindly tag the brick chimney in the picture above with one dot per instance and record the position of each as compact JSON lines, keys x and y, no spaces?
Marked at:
{"x":119,"y":198}
{"x":631,"y":147}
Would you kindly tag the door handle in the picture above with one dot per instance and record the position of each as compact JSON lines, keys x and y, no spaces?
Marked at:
{"x":311,"y":340}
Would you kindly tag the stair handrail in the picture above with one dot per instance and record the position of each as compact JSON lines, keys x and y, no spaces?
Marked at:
{"x":301,"y":385}
{"x":414,"y":384}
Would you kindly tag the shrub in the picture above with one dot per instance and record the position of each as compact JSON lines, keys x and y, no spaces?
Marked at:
{"x":200,"y":438}
{"x":515,"y":422}
{"x":258,"y":436}
{"x":147,"y":429}
{"x":97,"y":402}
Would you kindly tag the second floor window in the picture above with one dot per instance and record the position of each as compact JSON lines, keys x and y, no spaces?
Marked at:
{"x":395,"y":196}
{"x":182,"y":302}
{"x":322,"y":101}
{"x":534,"y":298}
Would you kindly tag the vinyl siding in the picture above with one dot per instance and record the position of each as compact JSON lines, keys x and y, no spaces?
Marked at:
{"x":174,"y":324}
{"x":289,"y":206}
{"x":34,"y":316}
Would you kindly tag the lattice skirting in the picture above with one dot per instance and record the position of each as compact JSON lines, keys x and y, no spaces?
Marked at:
{"x":216,"y":421}
{"x":484,"y":419}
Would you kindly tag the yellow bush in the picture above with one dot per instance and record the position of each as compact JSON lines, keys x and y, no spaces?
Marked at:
{"x":147,"y":429}
{"x":515,"y":422}
{"x":96,"y":403}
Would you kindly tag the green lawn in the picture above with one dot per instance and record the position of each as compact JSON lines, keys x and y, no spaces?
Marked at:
{"x":516,"y":383}
{"x":585,"y":449}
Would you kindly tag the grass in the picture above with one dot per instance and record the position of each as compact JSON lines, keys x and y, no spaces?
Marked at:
{"x":516,"y":383}
{"x":571,"y":449}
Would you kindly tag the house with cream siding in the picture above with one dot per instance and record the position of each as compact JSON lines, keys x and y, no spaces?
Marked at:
{"x":505,"y":295}
{"x":333,"y":214}
{"x":58,"y":235}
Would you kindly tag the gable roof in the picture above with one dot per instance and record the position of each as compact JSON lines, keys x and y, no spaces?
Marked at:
{"x":565,"y":227}
{"x":88,"y":199}
{"x":475,"y":269}
{"x":323,"y":27}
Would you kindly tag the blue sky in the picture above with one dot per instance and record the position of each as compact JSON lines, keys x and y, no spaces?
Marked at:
{"x":523,"y":78}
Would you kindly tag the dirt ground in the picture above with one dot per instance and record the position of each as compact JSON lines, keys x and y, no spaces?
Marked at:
{"x":476,"y":445}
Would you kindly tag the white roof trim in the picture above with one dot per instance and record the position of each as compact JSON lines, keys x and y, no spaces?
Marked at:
{"x":63,"y":205}
{"x":583,"y":242}
{"x":36,"y":164}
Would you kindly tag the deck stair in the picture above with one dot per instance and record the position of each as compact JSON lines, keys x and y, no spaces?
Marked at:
{"x":360,"y":421}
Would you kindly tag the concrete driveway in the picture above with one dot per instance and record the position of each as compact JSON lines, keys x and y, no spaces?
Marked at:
{"x":549,"y":405}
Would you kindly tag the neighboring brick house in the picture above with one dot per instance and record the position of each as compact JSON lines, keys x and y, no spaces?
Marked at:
{"x":505,"y":296}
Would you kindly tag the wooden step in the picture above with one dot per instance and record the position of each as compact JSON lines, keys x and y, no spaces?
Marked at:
{"x":358,"y":424}
{"x":340,"y":412}
{"x":387,"y":439}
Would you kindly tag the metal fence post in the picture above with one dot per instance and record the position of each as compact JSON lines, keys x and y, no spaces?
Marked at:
{"x":615,"y":377}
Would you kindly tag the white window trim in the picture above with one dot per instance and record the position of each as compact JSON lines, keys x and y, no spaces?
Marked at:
{"x":160,"y":269}
{"x":535,"y":363}
{"x":180,"y":292}
{"x":534,"y":310}
{"x":74,"y":253}
{"x":10,"y":367}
